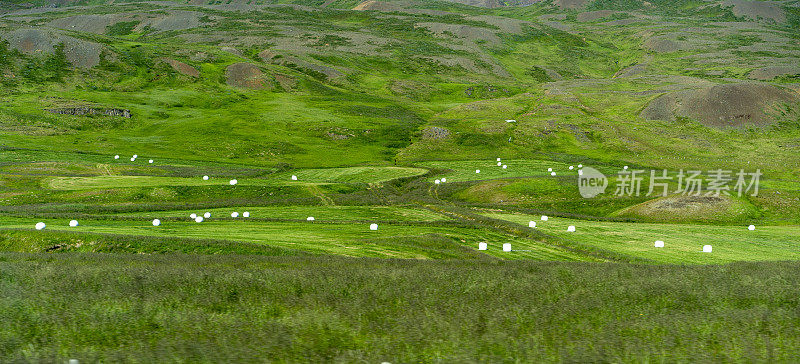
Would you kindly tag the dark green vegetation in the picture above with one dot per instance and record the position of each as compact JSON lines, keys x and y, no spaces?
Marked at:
{"x":368,"y":104}
{"x":170,"y":308}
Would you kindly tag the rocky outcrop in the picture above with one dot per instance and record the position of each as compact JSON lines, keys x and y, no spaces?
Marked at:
{"x":87,"y":111}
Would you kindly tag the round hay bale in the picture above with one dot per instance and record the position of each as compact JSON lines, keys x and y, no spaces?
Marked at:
{"x":245,"y":214}
{"x":156,"y":222}
{"x":40,"y":226}
{"x":482,"y":246}
{"x":205,"y":178}
{"x":571,"y":228}
{"x":233,"y":182}
{"x":198,"y":219}
{"x":751,"y":228}
{"x":506,"y":247}
{"x":310,"y":218}
{"x":234,"y":214}
{"x":659,"y":244}
{"x":707,"y":248}
{"x":73,"y":223}
{"x":373,"y":227}
{"x":207,"y":215}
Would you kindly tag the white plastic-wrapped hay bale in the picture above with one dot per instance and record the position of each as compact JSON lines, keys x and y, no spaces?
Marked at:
{"x":150,"y":161}
{"x":477,"y":171}
{"x":625,"y":168}
{"x":310,"y":218}
{"x":438,"y":181}
{"x":659,"y":244}
{"x":553,"y":174}
{"x":571,"y":228}
{"x":135,"y":156}
{"x":499,"y":164}
{"x":233,"y":182}
{"x":706,"y":248}
{"x":116,"y":156}
{"x":207,"y":215}
{"x":580,"y":172}
{"x":549,"y":169}
{"x":531,"y":224}
{"x":156,"y":222}
{"x":73,"y":223}
{"x":444,"y":180}
{"x":751,"y":228}
{"x":133,"y":159}
{"x":505,"y":166}
{"x":507,"y":247}
{"x":571,"y":167}
{"x":545,"y":218}
{"x":498,"y":159}
{"x":193,"y":216}
{"x":245,"y":214}
{"x":40,"y":226}
{"x":294,"y":178}
{"x":234,"y":214}
{"x":580,"y":166}
{"x":198,"y":219}
{"x":482,"y":246}
{"x":373,"y":227}
{"x":205,"y":178}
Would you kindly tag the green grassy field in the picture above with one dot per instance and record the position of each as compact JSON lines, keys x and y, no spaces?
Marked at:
{"x":368,"y":104}
{"x":134,"y":308}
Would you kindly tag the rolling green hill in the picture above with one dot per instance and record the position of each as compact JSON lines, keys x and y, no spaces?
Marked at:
{"x":446,"y":123}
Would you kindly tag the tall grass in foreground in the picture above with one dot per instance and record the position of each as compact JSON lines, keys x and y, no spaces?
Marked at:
{"x":222,"y":308}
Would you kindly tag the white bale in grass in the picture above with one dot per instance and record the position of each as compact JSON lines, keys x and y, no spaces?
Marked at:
{"x":571,"y":228}
{"x":626,"y":167}
{"x":659,"y":244}
{"x":499,"y":164}
{"x":507,"y":247}
{"x":477,"y":171}
{"x":706,"y":248}
{"x":207,"y":215}
{"x":505,"y":166}
{"x":553,"y":174}
{"x":205,"y":178}
{"x":580,"y":166}
{"x":498,"y":159}
{"x":531,"y":224}
{"x":580,"y":172}
{"x":438,"y":181}
{"x":150,"y":161}
{"x":294,"y":178}
{"x":482,"y":246}
{"x":135,"y":156}
{"x":116,"y":157}
{"x":373,"y":227}
{"x":198,"y":219}
{"x":444,"y":180}
{"x":545,"y":218}
{"x":40,"y":226}
{"x":193,"y":216}
{"x":751,"y":228}
{"x":571,"y":167}
{"x":549,"y":169}
{"x":234,"y":214}
{"x":156,"y":222}
{"x":73,"y":223}
{"x":233,"y":182}
{"x":133,"y":159}
{"x":310,"y":218}
{"x":245,"y":214}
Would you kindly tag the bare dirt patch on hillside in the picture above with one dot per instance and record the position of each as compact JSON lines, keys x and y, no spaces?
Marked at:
{"x":245,"y":75}
{"x":728,"y":105}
